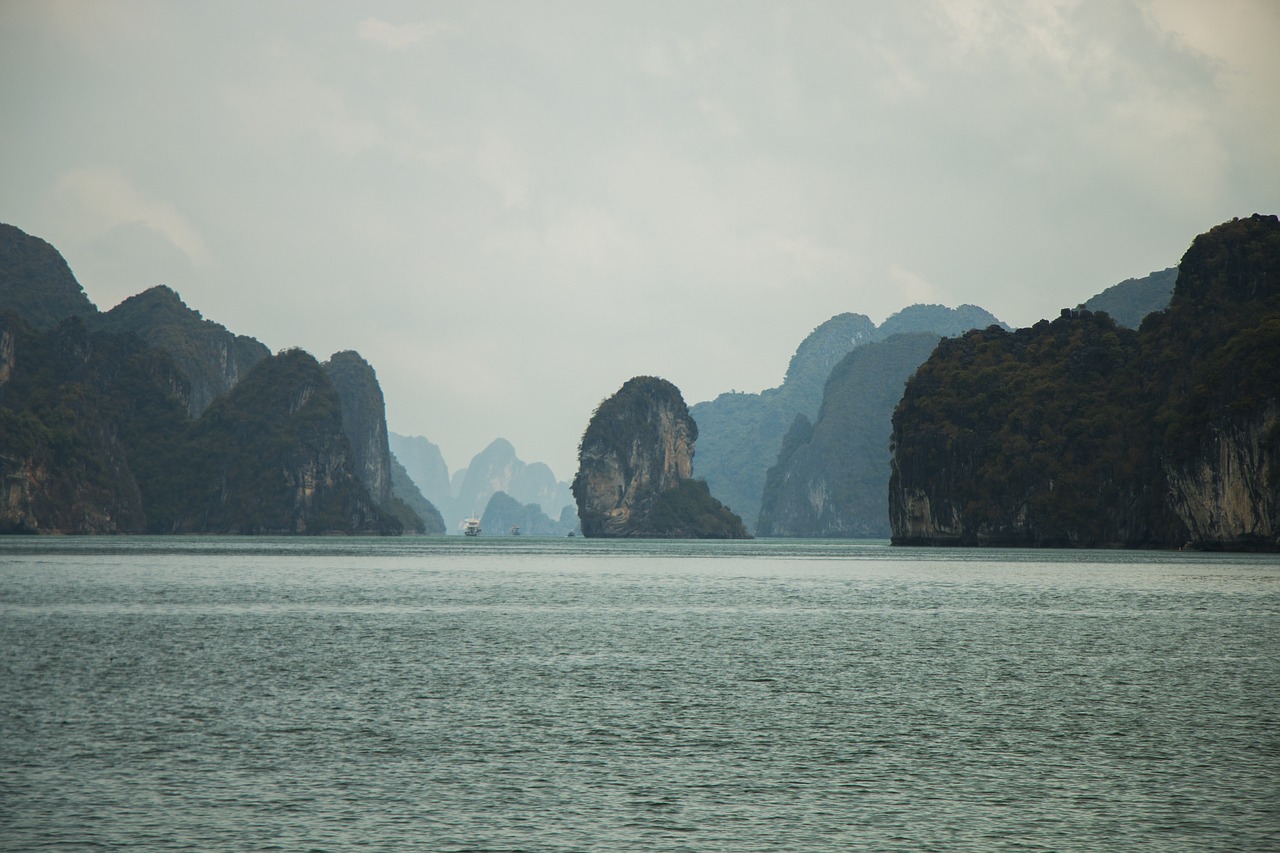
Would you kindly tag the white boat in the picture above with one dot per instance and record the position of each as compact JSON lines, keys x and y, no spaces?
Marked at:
{"x":471,"y":527}
{"x":515,"y":530}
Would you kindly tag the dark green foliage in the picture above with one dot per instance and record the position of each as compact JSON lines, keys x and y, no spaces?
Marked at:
{"x":632,"y":410}
{"x":1130,"y":301}
{"x":688,"y":511}
{"x":272,"y":457}
{"x":36,"y":283}
{"x":1036,"y":435}
{"x":1067,"y":433}
{"x":72,"y":408}
{"x":212,"y":358}
{"x":832,"y":476}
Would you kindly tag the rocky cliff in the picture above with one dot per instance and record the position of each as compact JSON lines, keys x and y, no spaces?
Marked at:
{"x":213,"y":358}
{"x":425,"y":466}
{"x":1083,"y":433}
{"x":363,"y":419}
{"x":75,"y":409}
{"x":635,"y":465}
{"x":272,"y":457}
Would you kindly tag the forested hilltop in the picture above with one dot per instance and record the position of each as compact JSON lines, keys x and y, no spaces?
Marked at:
{"x":1081,"y":433}
{"x":151,"y":419}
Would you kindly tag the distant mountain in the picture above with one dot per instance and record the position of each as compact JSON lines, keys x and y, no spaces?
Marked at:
{"x":1133,"y":299}
{"x":425,"y":465}
{"x":497,"y":468}
{"x":832,"y":477}
{"x":740,"y":434}
{"x":213,"y":358}
{"x":36,"y":283}
{"x":503,"y":513}
{"x":405,"y":491}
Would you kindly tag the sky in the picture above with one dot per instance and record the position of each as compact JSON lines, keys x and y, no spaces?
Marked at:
{"x":509,"y":209}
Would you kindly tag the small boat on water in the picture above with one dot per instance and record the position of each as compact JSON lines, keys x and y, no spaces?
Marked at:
{"x":471,"y":527}
{"x":515,"y":530}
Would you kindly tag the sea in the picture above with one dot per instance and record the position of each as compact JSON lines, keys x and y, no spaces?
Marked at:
{"x":559,"y":694}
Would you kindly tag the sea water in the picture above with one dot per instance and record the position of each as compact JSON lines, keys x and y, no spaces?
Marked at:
{"x":502,"y":694}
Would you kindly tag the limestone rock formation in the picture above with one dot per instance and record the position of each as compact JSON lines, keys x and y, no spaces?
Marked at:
{"x":1082,"y":433}
{"x":213,"y":358}
{"x":364,"y":419}
{"x":635,"y":465}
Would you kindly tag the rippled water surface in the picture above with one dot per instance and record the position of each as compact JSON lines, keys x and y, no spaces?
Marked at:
{"x":553,"y":695}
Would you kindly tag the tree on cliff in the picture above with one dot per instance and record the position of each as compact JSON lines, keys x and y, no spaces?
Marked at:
{"x":1082,"y":433}
{"x":634,"y":470}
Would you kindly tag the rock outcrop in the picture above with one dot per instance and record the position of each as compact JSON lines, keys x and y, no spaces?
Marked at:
{"x":1081,"y":433}
{"x":635,"y":466}
{"x":272,"y":457}
{"x":213,"y":358}
{"x":364,"y":418}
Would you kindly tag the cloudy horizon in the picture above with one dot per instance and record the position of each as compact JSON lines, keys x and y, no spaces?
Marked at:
{"x":510,"y":209}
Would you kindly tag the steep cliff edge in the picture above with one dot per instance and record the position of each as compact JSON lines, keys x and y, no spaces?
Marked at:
{"x":1082,"y":433}
{"x":272,"y":457}
{"x":213,"y":358}
{"x":76,"y":409}
{"x":364,"y":420}
{"x":1221,"y":414}
{"x":635,"y":465}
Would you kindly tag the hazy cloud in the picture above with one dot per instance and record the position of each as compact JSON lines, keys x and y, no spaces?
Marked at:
{"x":399,"y":36}
{"x":96,"y":200}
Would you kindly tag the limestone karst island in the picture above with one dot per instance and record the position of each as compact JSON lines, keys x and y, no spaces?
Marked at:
{"x":1144,"y":417}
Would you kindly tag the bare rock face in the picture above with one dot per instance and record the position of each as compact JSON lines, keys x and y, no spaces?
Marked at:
{"x":635,"y":465}
{"x":364,"y":420}
{"x":1229,"y":495}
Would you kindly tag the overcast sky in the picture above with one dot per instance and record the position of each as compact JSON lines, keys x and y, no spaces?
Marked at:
{"x":511,"y":208}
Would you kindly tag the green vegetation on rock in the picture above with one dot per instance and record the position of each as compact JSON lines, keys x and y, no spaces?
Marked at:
{"x":1082,"y":433}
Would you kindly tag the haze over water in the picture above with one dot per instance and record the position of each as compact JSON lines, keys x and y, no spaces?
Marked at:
{"x":553,"y":695}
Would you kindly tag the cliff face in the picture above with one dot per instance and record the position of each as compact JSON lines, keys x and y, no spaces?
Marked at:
{"x":213,"y":358}
{"x":1081,"y":433}
{"x":832,"y":477}
{"x":73,"y":408}
{"x":638,"y":449}
{"x":272,"y":457}
{"x":1229,"y":494}
{"x":364,"y":420}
